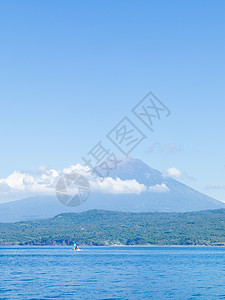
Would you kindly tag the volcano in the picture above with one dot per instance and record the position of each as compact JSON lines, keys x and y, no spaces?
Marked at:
{"x":162,"y":194}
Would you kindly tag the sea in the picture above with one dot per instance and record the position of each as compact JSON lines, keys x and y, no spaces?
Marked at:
{"x":117,"y":272}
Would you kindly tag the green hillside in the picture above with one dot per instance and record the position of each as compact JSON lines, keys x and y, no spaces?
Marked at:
{"x":97,"y":227}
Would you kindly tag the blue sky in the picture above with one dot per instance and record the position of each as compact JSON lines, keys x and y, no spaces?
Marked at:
{"x":71,"y":70}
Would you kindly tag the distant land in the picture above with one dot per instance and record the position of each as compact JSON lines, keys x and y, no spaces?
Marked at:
{"x":177,"y":197}
{"x":99,"y":227}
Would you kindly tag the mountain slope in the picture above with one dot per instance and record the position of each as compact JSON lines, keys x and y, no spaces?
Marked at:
{"x":178,"y":197}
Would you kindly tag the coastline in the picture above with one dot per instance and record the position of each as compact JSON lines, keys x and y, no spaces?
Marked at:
{"x":111,"y":246}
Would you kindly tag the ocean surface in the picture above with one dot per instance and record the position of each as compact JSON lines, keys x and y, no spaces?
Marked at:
{"x":112,"y":273}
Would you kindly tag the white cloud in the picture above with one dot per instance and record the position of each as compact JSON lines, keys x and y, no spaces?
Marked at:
{"x":215,"y":187}
{"x":77,"y":168}
{"x":43,"y":181}
{"x":4,"y":188}
{"x":170,"y":148}
{"x":20,"y":185}
{"x":17,"y":180}
{"x":118,"y":186}
{"x":172,"y":172}
{"x":42,"y":168}
{"x":159,"y":188}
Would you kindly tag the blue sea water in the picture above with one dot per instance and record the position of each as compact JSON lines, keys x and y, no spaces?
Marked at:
{"x":112,"y":273}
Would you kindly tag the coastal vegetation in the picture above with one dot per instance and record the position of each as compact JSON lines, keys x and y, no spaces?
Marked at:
{"x":99,"y":227}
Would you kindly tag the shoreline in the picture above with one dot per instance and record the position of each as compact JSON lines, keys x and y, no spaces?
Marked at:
{"x":108,"y":246}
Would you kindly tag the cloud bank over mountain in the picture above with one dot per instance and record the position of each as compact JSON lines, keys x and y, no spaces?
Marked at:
{"x":43,"y":181}
{"x":172,"y":172}
{"x":159,"y":188}
{"x":131,"y":186}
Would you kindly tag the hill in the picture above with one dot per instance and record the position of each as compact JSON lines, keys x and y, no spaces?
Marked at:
{"x":98,"y":227}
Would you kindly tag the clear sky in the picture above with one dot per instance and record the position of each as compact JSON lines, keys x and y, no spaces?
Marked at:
{"x":71,"y":70}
